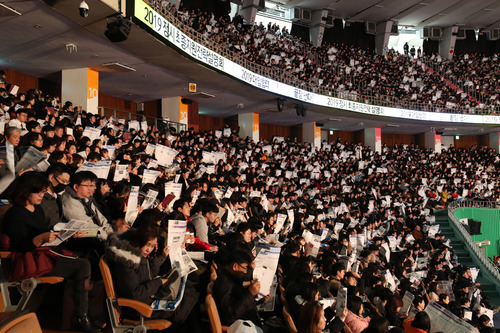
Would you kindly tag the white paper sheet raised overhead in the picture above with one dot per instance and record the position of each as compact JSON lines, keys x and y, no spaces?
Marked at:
{"x":165,"y":155}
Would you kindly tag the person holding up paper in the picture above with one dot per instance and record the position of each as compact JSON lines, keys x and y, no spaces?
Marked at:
{"x":24,"y":224}
{"x":234,"y":300}
{"x":78,"y":203}
{"x":135,"y":265}
{"x":421,"y":323}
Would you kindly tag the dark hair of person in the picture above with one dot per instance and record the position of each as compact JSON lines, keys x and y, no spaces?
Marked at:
{"x":209,"y":207}
{"x":442,"y":297}
{"x":26,"y":184}
{"x":354,"y":304}
{"x":243,"y":227}
{"x":337,"y":268}
{"x":56,"y":156}
{"x":393,"y":304}
{"x":377,"y":324}
{"x":82,"y":176}
{"x":29,"y":138}
{"x":292,"y":247}
{"x":422,"y":321}
{"x":310,"y":314}
{"x":149,"y":217}
{"x":122,"y":188}
{"x":47,"y":142}
{"x":308,"y":291}
{"x":179,"y":203}
{"x":138,"y":237}
{"x":94,"y":156}
{"x":57,"y":169}
{"x":239,"y":256}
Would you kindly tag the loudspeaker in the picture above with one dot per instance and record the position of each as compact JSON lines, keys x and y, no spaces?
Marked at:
{"x":186,"y":101}
{"x":280,"y":103}
{"x":475,"y":227}
{"x":118,"y":30}
{"x":319,"y":124}
{"x":439,"y":132}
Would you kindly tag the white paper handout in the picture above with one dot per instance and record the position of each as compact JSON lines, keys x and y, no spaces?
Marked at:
{"x":149,"y":199}
{"x":165,"y":155}
{"x":121,"y":172}
{"x":133,"y":200}
{"x":68,"y":230}
{"x":173,"y":188}
{"x":29,"y":159}
{"x":149,"y":176}
{"x":266,"y":264}
{"x":100,"y":168}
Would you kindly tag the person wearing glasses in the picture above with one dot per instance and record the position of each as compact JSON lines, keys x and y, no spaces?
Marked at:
{"x":78,"y":203}
{"x":24,"y":224}
{"x":59,"y":176}
{"x":235,"y":299}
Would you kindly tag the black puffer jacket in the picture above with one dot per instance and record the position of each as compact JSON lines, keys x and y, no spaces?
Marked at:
{"x":133,"y":274}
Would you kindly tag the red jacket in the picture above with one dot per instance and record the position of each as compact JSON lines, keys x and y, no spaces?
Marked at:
{"x":410,"y":329}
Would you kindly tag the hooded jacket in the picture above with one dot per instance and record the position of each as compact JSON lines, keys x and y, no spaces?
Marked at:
{"x":133,"y":274}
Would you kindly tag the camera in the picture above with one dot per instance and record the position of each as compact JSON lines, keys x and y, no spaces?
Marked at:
{"x":84,"y":9}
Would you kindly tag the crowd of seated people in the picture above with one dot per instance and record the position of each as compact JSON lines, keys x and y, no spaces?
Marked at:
{"x":372,"y":213}
{"x":351,"y":72}
{"x":476,"y":74}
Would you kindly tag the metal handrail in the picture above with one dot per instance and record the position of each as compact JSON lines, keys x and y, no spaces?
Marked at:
{"x":288,"y":78}
{"x":153,"y":121}
{"x":487,"y":266}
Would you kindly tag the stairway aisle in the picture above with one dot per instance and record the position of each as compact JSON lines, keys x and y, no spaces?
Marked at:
{"x":464,"y":258}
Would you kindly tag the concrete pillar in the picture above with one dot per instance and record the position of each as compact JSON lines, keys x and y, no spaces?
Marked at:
{"x":317,"y":28}
{"x":249,"y":125}
{"x":81,"y":87}
{"x":249,"y":10}
{"x":433,"y":141}
{"x":447,"y":43}
{"x":495,"y":141}
{"x":382,"y":37}
{"x":373,"y":139}
{"x":174,"y":109}
{"x":311,"y":133}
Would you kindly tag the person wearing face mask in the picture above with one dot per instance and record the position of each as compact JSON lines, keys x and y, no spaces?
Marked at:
{"x":59,"y":177}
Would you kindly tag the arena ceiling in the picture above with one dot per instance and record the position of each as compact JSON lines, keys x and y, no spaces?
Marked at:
{"x":35,"y":43}
{"x":474,"y":14}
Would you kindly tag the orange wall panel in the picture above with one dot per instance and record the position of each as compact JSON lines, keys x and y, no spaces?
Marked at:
{"x":25,"y":82}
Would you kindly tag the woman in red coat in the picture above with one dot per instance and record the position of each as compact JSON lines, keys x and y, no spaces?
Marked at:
{"x":421,"y":323}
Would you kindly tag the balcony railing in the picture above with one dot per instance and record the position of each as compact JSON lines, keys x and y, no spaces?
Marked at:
{"x":153,"y":121}
{"x":486,"y":265}
{"x":286,"y":77}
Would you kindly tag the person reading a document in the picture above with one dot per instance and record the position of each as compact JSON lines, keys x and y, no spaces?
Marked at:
{"x":234,"y":299}
{"x":135,"y":264}
{"x":24,"y":224}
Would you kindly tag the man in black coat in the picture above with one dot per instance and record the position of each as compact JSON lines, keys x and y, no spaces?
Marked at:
{"x":234,"y":299}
